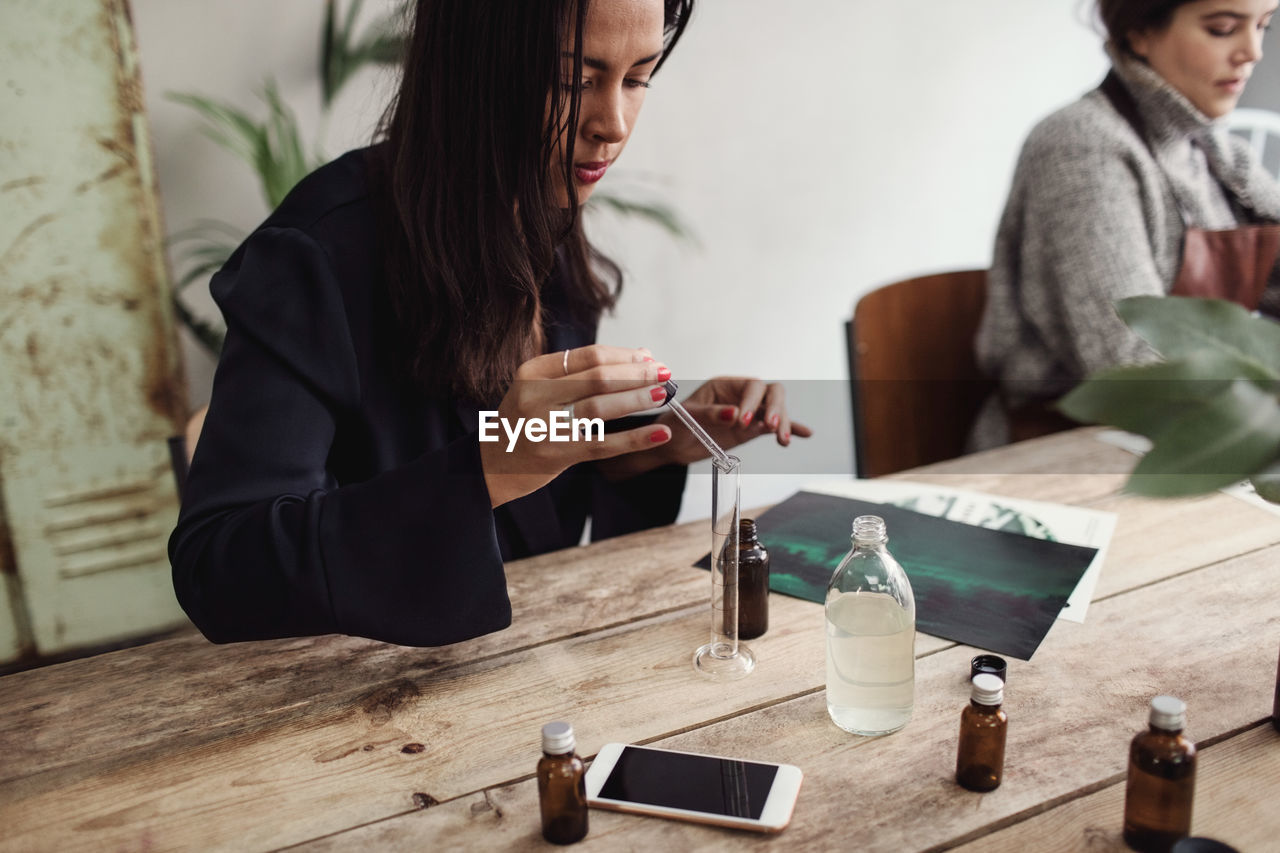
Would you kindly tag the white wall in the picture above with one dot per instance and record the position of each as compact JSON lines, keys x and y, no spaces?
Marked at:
{"x":818,"y":148}
{"x":1264,"y":86}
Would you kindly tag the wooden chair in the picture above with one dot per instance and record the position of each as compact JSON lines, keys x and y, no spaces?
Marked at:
{"x":916,"y":386}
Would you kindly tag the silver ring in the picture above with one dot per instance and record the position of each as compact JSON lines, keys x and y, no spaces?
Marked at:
{"x":570,"y":411}
{"x":566,"y":362}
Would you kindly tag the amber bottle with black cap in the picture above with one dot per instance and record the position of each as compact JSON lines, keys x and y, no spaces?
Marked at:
{"x":753,"y":582}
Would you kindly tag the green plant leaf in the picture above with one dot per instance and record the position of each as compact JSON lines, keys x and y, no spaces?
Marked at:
{"x":224,"y":124}
{"x":1267,"y":482}
{"x":207,"y":333}
{"x":662,"y":215}
{"x":202,"y":249}
{"x":1147,"y":398}
{"x":281,"y":161}
{"x":1178,"y":326}
{"x":273,"y":147}
{"x":341,"y":55}
{"x":1213,"y":444}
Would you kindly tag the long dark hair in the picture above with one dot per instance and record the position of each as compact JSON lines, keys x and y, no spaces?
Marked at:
{"x":1124,"y":17}
{"x":471,"y":219}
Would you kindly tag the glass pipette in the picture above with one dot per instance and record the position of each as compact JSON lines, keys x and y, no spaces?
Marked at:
{"x":722,"y":460}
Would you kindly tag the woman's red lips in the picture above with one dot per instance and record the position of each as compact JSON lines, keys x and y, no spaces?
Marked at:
{"x":589,"y":173}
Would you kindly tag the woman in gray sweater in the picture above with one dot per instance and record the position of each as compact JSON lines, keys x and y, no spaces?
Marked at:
{"x":1105,"y":194}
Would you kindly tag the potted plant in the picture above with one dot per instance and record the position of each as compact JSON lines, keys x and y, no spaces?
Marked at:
{"x":1211,"y":408}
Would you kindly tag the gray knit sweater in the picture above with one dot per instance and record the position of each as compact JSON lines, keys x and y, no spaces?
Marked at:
{"x":1092,"y":218}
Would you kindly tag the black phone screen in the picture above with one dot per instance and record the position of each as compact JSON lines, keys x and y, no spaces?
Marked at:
{"x":701,"y":783}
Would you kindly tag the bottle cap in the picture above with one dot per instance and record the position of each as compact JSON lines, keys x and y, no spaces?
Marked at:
{"x":1169,"y":713}
{"x":993,"y":664}
{"x":987,"y":689}
{"x":557,"y":738}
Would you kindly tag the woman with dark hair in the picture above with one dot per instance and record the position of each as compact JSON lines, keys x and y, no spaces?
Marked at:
{"x":402,"y":302}
{"x":1135,"y":189}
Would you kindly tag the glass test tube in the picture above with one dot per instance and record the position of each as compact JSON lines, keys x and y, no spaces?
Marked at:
{"x":724,"y":658}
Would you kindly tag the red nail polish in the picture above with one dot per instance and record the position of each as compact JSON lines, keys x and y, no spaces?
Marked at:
{"x":786,"y":436}
{"x":663,"y":374}
{"x":773,"y":421}
{"x":658,"y":394}
{"x":648,"y":358}
{"x":746,"y":419}
{"x":726,"y":415}
{"x":658,"y":435}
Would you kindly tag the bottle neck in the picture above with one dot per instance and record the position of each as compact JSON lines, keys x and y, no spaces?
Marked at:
{"x":1160,"y":730}
{"x":869,"y":531}
{"x":981,"y":708}
{"x":747,"y":536}
{"x":566,"y":754}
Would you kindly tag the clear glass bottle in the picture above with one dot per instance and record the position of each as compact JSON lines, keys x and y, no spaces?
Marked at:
{"x":983,"y":725}
{"x":562,"y":786}
{"x":871,"y":629}
{"x":753,"y":582}
{"x":1162,"y":780}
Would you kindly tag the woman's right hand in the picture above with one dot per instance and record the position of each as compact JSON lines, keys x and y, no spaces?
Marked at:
{"x":594,"y":381}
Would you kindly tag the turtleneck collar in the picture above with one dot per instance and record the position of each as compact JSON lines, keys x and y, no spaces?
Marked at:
{"x":1172,"y":120}
{"x":1169,"y":115}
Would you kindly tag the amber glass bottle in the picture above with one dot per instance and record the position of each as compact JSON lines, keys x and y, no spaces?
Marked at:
{"x":1162,"y":780}
{"x":983,"y":725}
{"x":753,"y":582}
{"x":562,"y":786}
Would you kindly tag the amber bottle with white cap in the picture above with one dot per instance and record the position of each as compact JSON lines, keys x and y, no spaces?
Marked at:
{"x":562,"y":786}
{"x":983,"y":726}
{"x":1162,"y":780}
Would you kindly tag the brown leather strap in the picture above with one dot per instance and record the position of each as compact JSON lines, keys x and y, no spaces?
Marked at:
{"x":1233,"y":264}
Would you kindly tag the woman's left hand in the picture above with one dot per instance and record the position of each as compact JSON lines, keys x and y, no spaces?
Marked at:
{"x":734,"y":410}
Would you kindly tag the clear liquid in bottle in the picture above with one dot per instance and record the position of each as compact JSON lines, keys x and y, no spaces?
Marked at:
{"x":870,"y":663}
{"x":870,"y":615}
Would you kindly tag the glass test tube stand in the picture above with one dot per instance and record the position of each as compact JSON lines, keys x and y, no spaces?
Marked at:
{"x":724,"y":658}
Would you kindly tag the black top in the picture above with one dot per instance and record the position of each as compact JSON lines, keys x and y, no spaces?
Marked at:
{"x":326,"y":493}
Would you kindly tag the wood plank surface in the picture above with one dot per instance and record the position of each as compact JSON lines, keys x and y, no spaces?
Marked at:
{"x":477,"y":722}
{"x":1072,"y":712}
{"x":129,"y":702}
{"x":190,"y":688}
{"x":1236,"y":785}
{"x":84,"y":711}
{"x":262,"y":745}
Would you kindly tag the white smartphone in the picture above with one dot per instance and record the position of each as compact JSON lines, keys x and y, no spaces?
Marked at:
{"x":691,"y":786}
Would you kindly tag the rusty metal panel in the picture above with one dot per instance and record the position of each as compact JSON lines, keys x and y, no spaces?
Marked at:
{"x":90,"y":379}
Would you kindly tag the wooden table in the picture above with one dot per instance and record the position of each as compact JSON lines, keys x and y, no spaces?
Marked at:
{"x":182,"y":744}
